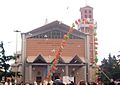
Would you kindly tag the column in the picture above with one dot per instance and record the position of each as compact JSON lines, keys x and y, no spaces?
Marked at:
{"x":66,"y":70}
{"x":30,"y":73}
{"x":87,"y":60}
{"x":48,"y":67}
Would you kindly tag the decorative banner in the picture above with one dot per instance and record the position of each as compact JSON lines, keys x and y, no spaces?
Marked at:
{"x":60,"y":49}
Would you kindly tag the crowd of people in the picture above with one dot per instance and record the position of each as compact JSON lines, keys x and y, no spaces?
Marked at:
{"x":58,"y":81}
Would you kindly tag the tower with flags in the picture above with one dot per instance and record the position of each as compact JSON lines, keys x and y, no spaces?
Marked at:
{"x":88,"y":26}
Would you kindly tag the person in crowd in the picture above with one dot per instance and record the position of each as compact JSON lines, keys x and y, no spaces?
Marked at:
{"x":27,"y":83}
{"x":57,"y":81}
{"x":93,"y":83}
{"x":35,"y":83}
{"x":82,"y":82}
{"x":71,"y":83}
{"x":112,"y":82}
{"x":118,"y":83}
{"x":48,"y":83}
{"x":45,"y":82}
{"x":1,"y":83}
{"x":8,"y":82}
{"x":22,"y":83}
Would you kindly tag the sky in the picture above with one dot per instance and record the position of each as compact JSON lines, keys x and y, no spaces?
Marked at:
{"x":26,"y":15}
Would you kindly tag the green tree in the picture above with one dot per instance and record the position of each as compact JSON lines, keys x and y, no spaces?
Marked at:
{"x":110,"y":68}
{"x":4,"y":65}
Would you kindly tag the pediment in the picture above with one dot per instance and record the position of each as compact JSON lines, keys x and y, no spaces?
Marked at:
{"x":76,"y":60}
{"x":39,"y":59}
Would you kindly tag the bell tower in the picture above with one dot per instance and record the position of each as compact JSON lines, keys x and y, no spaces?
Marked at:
{"x":88,"y":26}
{"x":87,"y":13}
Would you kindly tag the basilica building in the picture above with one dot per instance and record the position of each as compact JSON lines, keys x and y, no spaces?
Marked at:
{"x":40,"y":45}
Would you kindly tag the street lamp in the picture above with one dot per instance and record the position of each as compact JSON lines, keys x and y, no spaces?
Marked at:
{"x":17,"y":31}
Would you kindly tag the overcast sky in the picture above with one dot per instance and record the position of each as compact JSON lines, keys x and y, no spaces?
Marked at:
{"x":26,"y":15}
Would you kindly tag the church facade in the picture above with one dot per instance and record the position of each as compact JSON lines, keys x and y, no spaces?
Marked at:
{"x":40,"y":45}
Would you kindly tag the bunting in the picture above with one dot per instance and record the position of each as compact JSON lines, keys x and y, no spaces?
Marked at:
{"x":59,"y":51}
{"x":91,"y":25}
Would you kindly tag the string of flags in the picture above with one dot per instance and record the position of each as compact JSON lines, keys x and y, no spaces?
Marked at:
{"x":59,"y":51}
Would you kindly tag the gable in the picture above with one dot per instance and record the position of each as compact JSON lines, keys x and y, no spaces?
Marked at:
{"x":76,"y":60}
{"x":39,"y":59}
